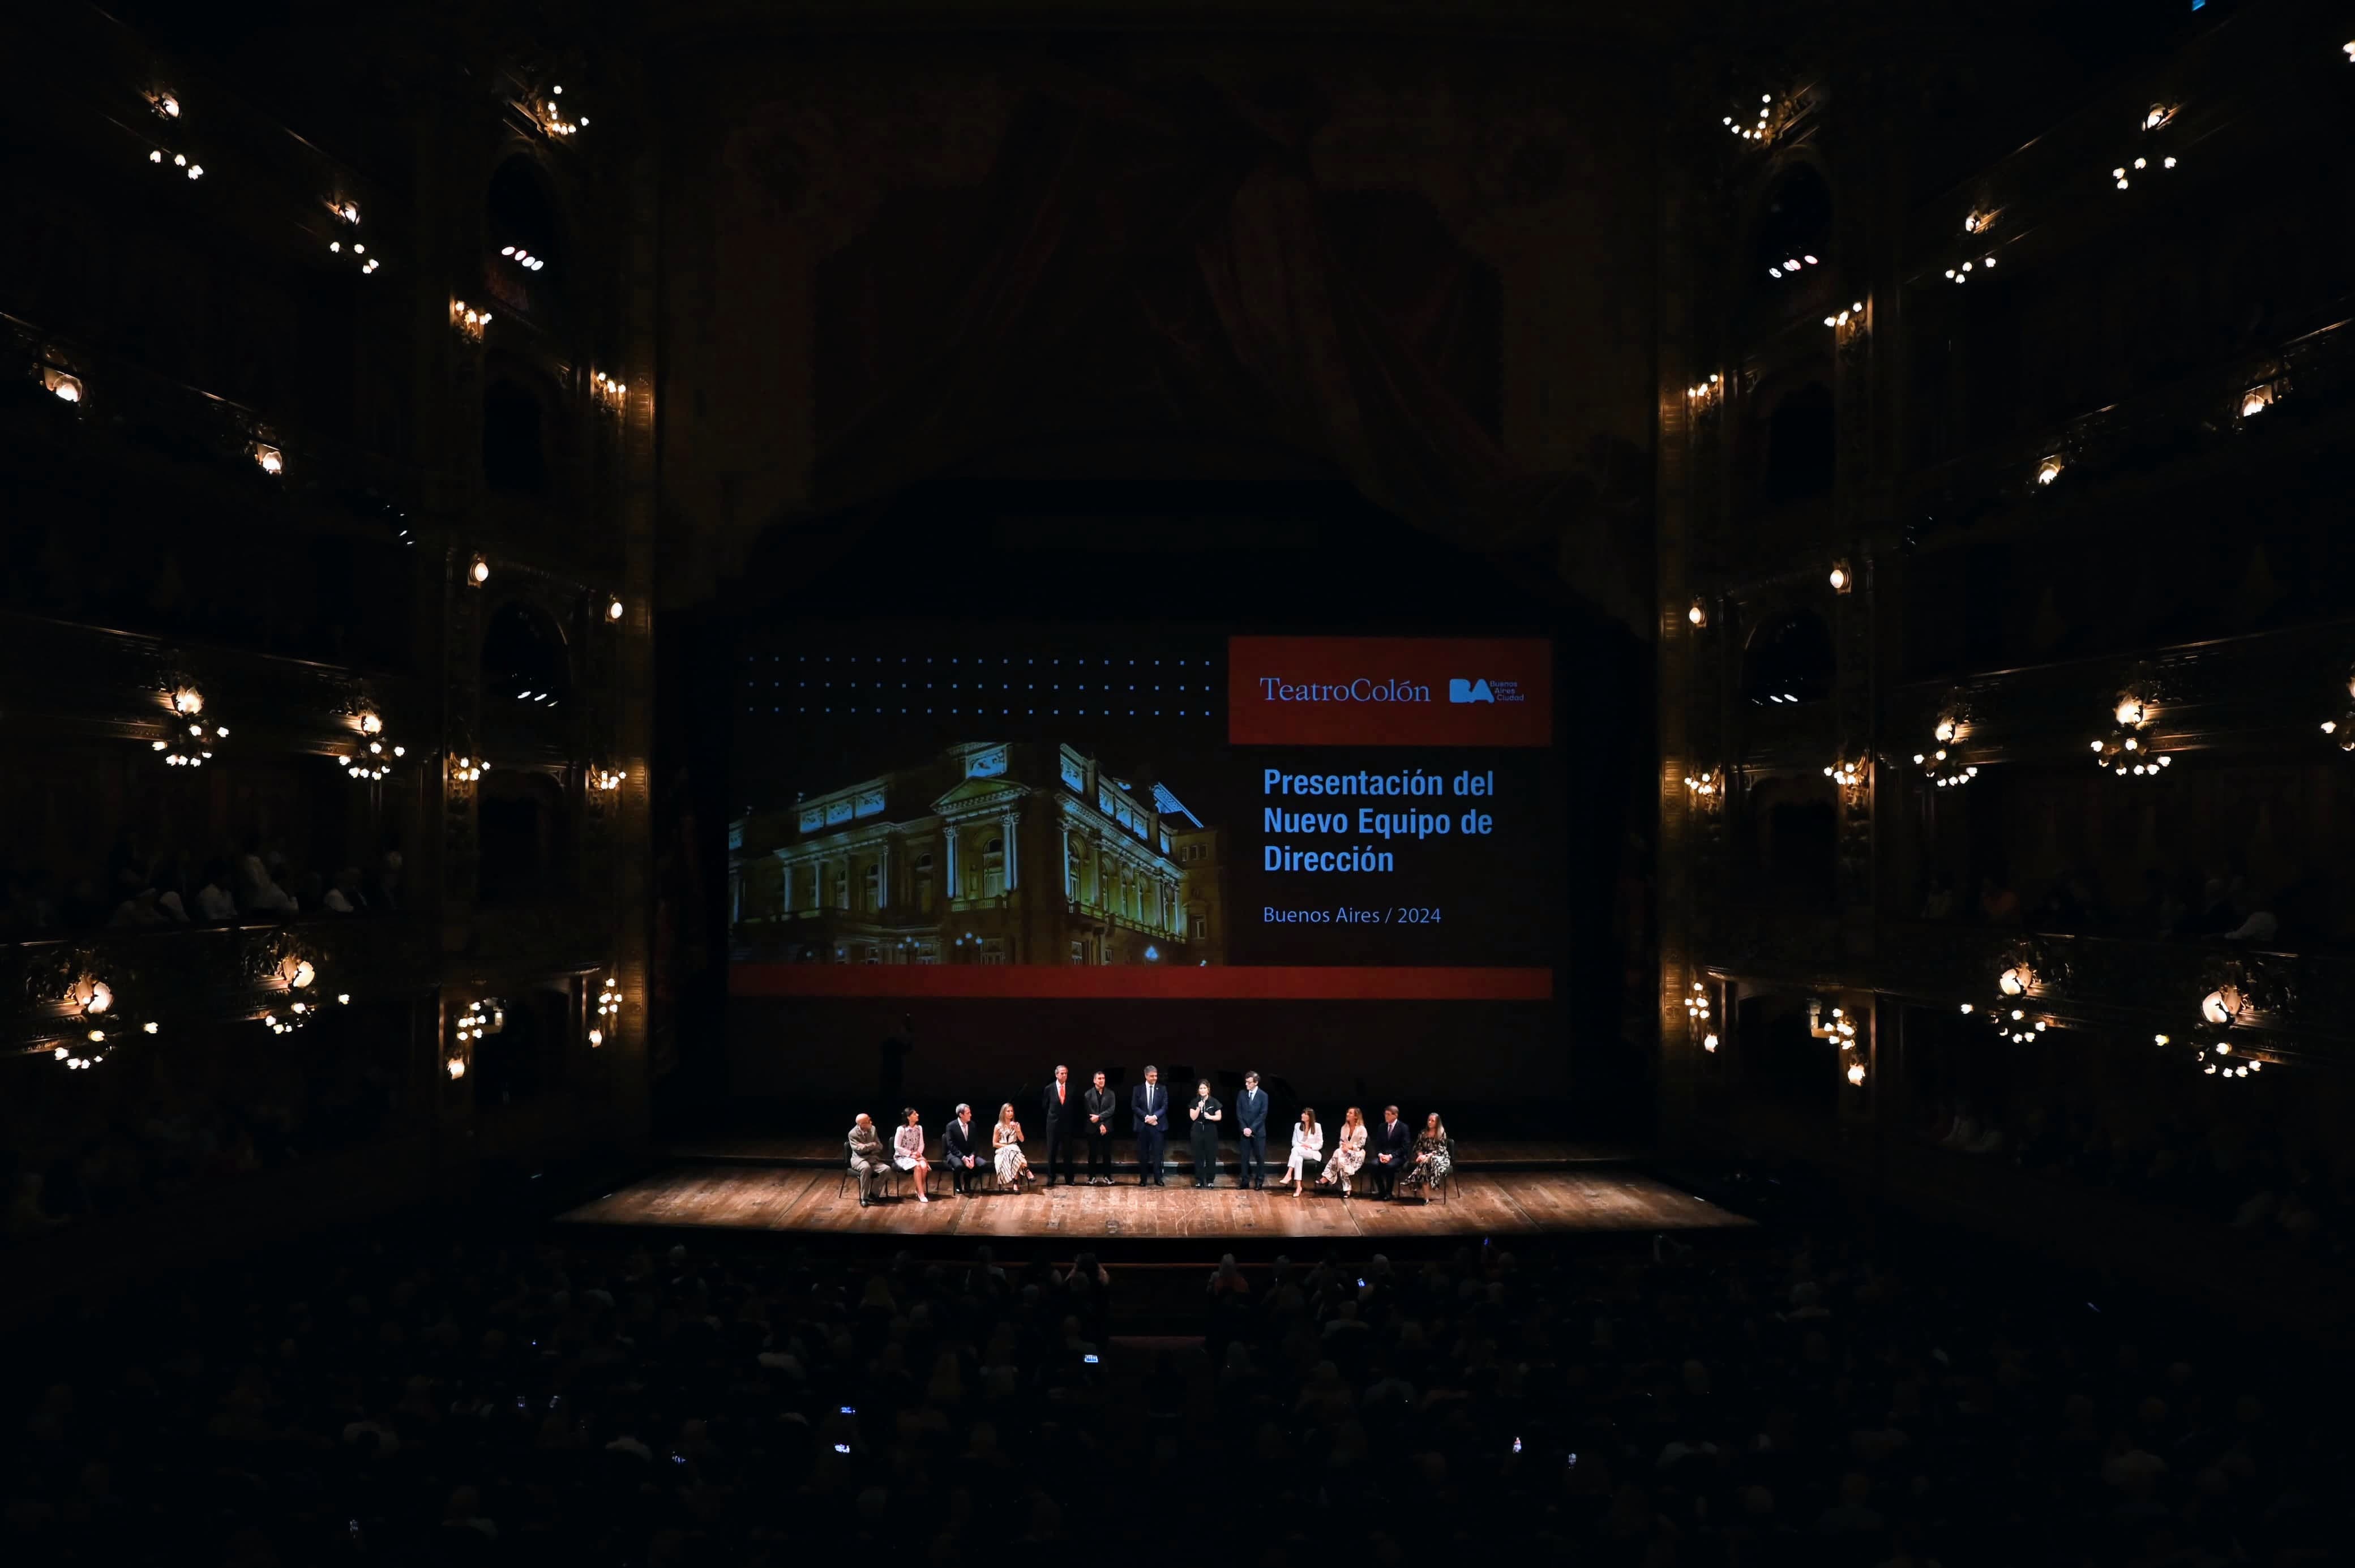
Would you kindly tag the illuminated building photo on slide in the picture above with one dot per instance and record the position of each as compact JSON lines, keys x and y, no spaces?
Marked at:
{"x":953,"y":813}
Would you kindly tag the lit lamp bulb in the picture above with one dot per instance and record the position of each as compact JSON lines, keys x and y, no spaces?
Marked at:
{"x":2254,"y":402}
{"x":304,"y":975}
{"x":2012,"y":982}
{"x":167,"y":106}
{"x":614,"y":609}
{"x":1841,"y":581}
{"x":1856,"y":1074}
{"x":2130,"y":712}
{"x":102,"y":997}
{"x":479,"y":572}
{"x":1698,"y":613}
{"x":457,"y":1068}
{"x":1709,"y":1043}
{"x":2049,"y":470}
{"x":64,"y":388}
{"x":268,"y":459}
{"x":596,"y":1037}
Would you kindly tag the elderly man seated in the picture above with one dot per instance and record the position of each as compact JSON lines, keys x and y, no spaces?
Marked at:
{"x":868,"y":1160}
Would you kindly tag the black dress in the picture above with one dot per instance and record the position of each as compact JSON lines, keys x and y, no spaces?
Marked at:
{"x":1206,"y":1142}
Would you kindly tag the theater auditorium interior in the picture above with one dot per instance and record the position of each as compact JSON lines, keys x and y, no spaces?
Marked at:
{"x":1667,"y":690}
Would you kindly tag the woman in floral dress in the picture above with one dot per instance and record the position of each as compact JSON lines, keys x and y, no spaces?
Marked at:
{"x":1431,"y":1161}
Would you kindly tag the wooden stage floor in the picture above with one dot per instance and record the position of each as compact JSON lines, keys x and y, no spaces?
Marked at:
{"x":1566,"y":1200}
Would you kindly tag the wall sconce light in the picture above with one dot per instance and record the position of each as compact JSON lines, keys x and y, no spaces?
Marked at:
{"x":375,"y":755}
{"x":479,"y":572}
{"x":1842,"y":579}
{"x":2049,"y":470}
{"x":551,"y":118}
{"x":1853,"y":314}
{"x":349,"y":211}
{"x":471,"y":1025}
{"x":267,"y":458}
{"x":2343,"y":727}
{"x":165,"y":106}
{"x":1710,"y":785}
{"x":1792,"y":266}
{"x":614,"y":608}
{"x":1760,"y":132}
{"x":1846,"y":775}
{"x":1697,"y":1004}
{"x":2015,"y":981}
{"x":604,"y":781}
{"x":1704,"y":395}
{"x":190,"y":742}
{"x":609,"y":1013}
{"x":62,"y":385}
{"x":1698,"y":613}
{"x":523,"y":258}
{"x":2257,"y":401}
{"x":1856,"y":1074}
{"x":1980,"y":220}
{"x":1939,"y":764}
{"x":2126,"y":751}
{"x":2156,"y":115}
{"x":468,"y":769}
{"x":608,"y":390}
{"x":468,"y":321}
{"x":1841,"y":1027}
{"x":2222,"y":1007}
{"x":1961,"y":274}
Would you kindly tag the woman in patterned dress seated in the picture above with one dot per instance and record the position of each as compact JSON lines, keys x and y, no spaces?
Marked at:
{"x":1006,"y":1137}
{"x":1348,"y":1152}
{"x":1431,"y":1163}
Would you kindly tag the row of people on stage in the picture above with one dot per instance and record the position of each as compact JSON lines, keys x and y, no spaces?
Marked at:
{"x":1387,"y":1158}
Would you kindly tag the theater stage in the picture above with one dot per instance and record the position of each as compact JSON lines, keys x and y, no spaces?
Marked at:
{"x":1505,"y":1189}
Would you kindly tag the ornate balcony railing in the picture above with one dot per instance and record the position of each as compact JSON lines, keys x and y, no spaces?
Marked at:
{"x":2299,"y":1006}
{"x":184,"y":976}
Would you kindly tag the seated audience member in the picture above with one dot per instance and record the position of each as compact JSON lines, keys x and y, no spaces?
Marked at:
{"x":345,"y":897}
{"x":258,"y":892}
{"x":868,"y":1160}
{"x":214,"y":904}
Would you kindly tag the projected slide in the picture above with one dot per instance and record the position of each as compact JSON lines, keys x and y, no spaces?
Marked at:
{"x":1166,"y":816}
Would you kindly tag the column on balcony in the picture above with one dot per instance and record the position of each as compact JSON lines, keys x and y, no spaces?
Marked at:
{"x":882,"y":875}
{"x":1011,"y":817}
{"x":1070,"y":872}
{"x":949,"y":856}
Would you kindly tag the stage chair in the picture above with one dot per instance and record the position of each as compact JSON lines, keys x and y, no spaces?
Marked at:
{"x":891,"y":1175}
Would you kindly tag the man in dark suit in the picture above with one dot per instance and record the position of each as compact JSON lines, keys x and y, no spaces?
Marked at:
{"x":1149,"y":1103}
{"x":1100,"y":1108}
{"x":1389,"y":1148}
{"x":964,"y":1154}
{"x":1250,"y":1111}
{"x":1061,"y":1110}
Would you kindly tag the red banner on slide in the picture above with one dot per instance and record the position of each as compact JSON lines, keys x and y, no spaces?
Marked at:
{"x":1142,"y":982}
{"x":1390,"y":691}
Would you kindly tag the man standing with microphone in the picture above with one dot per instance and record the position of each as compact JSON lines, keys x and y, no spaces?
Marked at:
{"x":1251,"y":1111}
{"x":1101,"y":1109}
{"x":1149,"y":1102}
{"x":1061,"y":1115}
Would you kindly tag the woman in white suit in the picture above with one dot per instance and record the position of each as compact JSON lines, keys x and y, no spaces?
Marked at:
{"x":1307,"y":1150}
{"x":1348,"y":1152}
